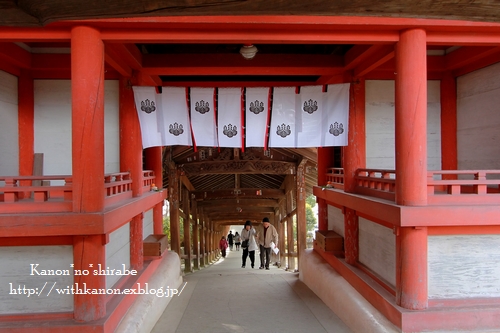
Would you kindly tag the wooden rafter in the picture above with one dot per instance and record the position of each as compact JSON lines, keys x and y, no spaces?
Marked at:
{"x":239,"y":193}
{"x":234,"y":167}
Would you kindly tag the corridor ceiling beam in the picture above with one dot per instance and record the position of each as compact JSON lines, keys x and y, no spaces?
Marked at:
{"x":241,"y":167}
{"x":239,"y":193}
{"x":233,"y":203}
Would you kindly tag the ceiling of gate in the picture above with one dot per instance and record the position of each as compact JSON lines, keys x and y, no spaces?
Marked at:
{"x":35,"y":12}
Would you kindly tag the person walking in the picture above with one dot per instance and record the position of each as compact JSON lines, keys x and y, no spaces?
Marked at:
{"x":267,"y":234}
{"x":223,"y":246}
{"x":237,"y":241}
{"x":248,"y":244}
{"x":230,"y":240}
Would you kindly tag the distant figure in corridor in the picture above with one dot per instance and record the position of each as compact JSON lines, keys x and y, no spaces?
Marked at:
{"x":223,"y":246}
{"x":266,"y":235}
{"x":230,"y":240}
{"x":248,"y":244}
{"x":237,"y":240}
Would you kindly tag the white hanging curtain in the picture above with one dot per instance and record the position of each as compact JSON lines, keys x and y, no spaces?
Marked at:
{"x":203,"y":116}
{"x":282,"y":132}
{"x":336,"y":115}
{"x":256,"y":116}
{"x":147,"y":110}
{"x":174,"y":118}
{"x":229,"y":117}
{"x":309,"y":116}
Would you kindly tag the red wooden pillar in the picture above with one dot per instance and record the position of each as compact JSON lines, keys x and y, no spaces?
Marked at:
{"x":87,"y":87}
{"x":173,"y":194}
{"x":154,"y":162}
{"x":300,"y":200}
{"x":355,"y":151}
{"x":411,"y":166}
{"x":130,"y":137}
{"x":88,"y":253}
{"x":26,"y":120}
{"x":325,"y":161}
{"x":351,"y":236}
{"x":354,"y":158}
{"x":449,"y":160}
{"x":136,"y":243}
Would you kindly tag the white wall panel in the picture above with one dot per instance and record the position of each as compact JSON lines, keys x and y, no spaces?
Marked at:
{"x":377,"y":249}
{"x":15,"y":269}
{"x":53,"y":126}
{"x":118,"y":252}
{"x":112,"y":127}
{"x":478,"y":119}
{"x":147,"y":224}
{"x":380,"y":125}
{"x":336,"y":220}
{"x":463,"y":266}
{"x":9,"y":135}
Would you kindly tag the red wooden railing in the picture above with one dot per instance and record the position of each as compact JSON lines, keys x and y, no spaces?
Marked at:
{"x":19,"y":190}
{"x":117,"y":187}
{"x":148,"y":179}
{"x":335,"y":178}
{"x":444,"y":187}
{"x":376,"y":183}
{"x":458,"y":187}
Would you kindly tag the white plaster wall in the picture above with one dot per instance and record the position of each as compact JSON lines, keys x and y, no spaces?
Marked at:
{"x":336,"y":220}
{"x":53,"y":126}
{"x":478,"y":119}
{"x":15,"y":268}
{"x":463,"y":266}
{"x":380,"y":125}
{"x":118,"y":252}
{"x":9,"y":142}
{"x":147,"y":224}
{"x":377,"y":249}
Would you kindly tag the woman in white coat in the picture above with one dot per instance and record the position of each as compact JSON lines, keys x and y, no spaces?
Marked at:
{"x":248,"y":244}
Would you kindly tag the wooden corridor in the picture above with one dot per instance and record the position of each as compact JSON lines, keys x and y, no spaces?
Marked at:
{"x":227,"y":298}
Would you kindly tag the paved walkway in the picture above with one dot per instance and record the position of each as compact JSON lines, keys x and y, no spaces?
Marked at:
{"x":227,"y":298}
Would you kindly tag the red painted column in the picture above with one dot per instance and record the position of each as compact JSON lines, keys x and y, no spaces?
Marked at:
{"x":351,"y":236}
{"x":411,"y":119}
{"x":354,"y":158}
{"x":449,"y":159}
{"x":411,"y":166}
{"x":87,"y":87}
{"x":154,"y":162}
{"x":88,"y":253}
{"x":130,"y":137}
{"x":26,"y":120}
{"x":411,"y":268}
{"x":355,"y":151}
{"x":136,"y":243}
{"x":325,"y":161}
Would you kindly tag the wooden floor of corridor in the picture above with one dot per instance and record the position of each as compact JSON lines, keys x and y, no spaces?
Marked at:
{"x":227,"y":298}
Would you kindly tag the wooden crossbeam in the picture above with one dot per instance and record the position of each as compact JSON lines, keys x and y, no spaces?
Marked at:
{"x":253,"y":193}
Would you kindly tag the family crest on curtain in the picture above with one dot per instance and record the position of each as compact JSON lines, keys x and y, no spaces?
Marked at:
{"x":288,"y":117}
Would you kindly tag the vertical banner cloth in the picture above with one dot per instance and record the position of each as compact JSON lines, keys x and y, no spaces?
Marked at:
{"x":147,"y":110}
{"x":203,"y":117}
{"x":282,"y":132}
{"x":310,"y":116}
{"x":229,"y":117}
{"x":256,"y":113}
{"x":173,"y":117}
{"x":336,"y":115}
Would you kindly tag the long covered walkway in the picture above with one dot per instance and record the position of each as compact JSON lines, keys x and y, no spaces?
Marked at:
{"x":227,"y":298}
